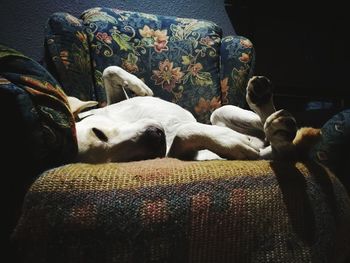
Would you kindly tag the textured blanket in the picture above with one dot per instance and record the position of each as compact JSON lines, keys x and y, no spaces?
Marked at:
{"x":166,"y":210}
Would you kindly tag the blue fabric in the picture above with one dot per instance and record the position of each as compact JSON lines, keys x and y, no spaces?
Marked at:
{"x":68,"y":55}
{"x":237,"y":63}
{"x":38,"y":111}
{"x":333,"y":149}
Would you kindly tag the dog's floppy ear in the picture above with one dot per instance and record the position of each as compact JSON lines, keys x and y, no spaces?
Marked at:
{"x":76,"y":105}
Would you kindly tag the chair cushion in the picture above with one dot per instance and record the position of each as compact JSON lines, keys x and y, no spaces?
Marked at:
{"x":178,"y":58}
{"x":166,"y":210}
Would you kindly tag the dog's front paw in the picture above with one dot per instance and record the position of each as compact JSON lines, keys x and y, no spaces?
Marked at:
{"x":280,"y":130}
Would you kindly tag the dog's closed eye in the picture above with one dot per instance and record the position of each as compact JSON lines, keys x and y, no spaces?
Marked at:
{"x":100,"y":134}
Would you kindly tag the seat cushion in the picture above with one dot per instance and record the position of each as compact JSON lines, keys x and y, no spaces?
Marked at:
{"x":166,"y":210}
{"x":178,"y":58}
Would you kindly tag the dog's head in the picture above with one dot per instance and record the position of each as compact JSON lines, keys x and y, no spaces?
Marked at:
{"x":101,"y":139}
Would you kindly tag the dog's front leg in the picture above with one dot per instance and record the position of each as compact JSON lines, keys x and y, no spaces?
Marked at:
{"x":193,"y":137}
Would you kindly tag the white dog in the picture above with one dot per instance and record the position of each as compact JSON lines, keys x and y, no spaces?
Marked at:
{"x":146,"y":127}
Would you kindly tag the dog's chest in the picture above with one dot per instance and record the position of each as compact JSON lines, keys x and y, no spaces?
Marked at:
{"x":167,"y":113}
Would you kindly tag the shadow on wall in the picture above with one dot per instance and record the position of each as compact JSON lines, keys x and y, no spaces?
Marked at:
{"x":22,"y":22}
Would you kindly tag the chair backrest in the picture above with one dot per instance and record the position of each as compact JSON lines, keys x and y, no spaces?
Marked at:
{"x":178,"y":58}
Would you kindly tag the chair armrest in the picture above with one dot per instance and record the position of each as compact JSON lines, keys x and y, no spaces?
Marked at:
{"x":67,"y":55}
{"x":39,"y":129}
{"x":332,"y":150}
{"x":237,"y":64}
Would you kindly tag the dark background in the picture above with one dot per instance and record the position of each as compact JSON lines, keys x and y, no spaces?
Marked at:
{"x":302,"y":46}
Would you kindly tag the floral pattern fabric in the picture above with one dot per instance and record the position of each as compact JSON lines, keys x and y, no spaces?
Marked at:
{"x":237,"y":63}
{"x":185,"y":61}
{"x":68,"y":55}
{"x":177,"y":58}
{"x":35,"y":102}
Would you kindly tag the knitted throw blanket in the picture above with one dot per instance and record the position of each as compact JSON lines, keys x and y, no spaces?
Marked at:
{"x":166,"y":210}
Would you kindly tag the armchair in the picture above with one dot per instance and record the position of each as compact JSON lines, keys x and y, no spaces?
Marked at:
{"x":168,"y":210}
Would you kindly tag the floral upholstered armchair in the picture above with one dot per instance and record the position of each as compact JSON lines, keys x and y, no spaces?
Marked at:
{"x":161,"y":210}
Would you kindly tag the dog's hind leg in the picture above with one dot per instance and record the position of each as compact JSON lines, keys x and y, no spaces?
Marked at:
{"x":279,"y":126}
{"x":225,"y":142}
{"x":259,"y":97}
{"x":115,"y":79}
{"x":238,"y":119}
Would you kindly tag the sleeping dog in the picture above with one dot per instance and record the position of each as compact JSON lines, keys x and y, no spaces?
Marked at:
{"x":145,"y":127}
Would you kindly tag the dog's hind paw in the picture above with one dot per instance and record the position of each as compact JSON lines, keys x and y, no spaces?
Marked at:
{"x":280,"y":130}
{"x":259,"y":91}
